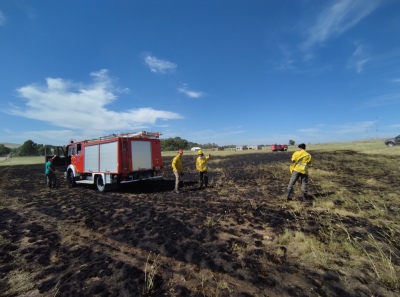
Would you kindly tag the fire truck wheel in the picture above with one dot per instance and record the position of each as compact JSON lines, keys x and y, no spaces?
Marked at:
{"x":71,"y":180}
{"x":100,"y":184}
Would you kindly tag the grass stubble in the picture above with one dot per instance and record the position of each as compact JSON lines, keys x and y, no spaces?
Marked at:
{"x":355,"y":213}
{"x":351,"y":224}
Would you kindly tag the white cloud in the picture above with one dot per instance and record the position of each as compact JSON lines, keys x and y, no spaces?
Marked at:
{"x":159,"y":66}
{"x":349,"y":131}
{"x":287,"y":62}
{"x":353,"y":128}
{"x":309,"y":131}
{"x":190,"y":93}
{"x":221,"y":137}
{"x":383,"y":100}
{"x":74,"y":106}
{"x":360,"y":65}
{"x":337,"y":19}
{"x":2,"y":19}
{"x":358,"y":59}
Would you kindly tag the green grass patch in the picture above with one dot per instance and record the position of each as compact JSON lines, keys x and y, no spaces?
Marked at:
{"x":22,"y":161}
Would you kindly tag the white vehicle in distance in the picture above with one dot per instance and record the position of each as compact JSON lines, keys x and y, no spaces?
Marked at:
{"x":195,"y":149}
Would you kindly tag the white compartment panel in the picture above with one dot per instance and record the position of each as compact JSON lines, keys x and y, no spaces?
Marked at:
{"x":92,"y":158}
{"x":109,"y":157}
{"x":141,"y":155}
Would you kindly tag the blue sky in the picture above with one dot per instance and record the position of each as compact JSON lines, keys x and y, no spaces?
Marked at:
{"x":212,"y":71}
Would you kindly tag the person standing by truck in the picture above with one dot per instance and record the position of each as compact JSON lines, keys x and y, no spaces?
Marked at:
{"x":50,"y":171}
{"x":301,"y":161}
{"x":177,"y":169}
{"x":201,"y":167}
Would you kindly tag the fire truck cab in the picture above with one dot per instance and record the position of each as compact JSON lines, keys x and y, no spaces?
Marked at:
{"x":114,"y":159}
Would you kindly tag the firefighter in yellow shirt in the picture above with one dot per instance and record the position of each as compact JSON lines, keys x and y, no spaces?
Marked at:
{"x":201,"y":167}
{"x":301,"y":161}
{"x":177,"y":169}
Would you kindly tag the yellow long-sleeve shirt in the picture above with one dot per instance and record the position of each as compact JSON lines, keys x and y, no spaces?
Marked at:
{"x":201,"y":163}
{"x":301,"y":161}
{"x":177,"y":164}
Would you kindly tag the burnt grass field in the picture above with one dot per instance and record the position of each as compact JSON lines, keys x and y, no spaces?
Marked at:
{"x":239,"y":237}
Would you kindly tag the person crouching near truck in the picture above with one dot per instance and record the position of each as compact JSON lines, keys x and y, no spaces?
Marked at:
{"x":201,"y":167}
{"x":301,"y":161}
{"x":177,"y":169}
{"x":50,"y":172}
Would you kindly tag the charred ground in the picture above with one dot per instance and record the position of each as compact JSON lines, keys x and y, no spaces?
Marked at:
{"x":232,"y":239}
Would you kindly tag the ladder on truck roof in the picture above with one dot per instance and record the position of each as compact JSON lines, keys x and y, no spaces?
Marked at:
{"x":142,"y":134}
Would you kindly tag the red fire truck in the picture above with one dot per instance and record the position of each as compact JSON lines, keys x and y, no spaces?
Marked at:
{"x":279,"y":147}
{"x":114,"y":159}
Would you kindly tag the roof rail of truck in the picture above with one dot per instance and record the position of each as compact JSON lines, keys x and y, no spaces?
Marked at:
{"x":142,"y":134}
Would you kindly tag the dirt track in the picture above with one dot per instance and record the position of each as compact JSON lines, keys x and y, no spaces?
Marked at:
{"x":210,"y":242}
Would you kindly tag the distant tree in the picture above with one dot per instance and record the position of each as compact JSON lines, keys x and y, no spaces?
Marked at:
{"x":291,"y":142}
{"x":41,"y":149}
{"x":4,"y":150}
{"x":29,"y":148}
{"x":209,"y":145}
{"x":229,"y":146}
{"x":173,"y":144}
{"x":193,"y":144}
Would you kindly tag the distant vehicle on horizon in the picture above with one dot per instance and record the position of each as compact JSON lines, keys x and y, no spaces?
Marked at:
{"x":195,"y":149}
{"x":279,"y":147}
{"x":393,"y":141}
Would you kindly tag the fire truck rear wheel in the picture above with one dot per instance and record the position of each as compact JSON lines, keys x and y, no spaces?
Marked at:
{"x":100,"y":184}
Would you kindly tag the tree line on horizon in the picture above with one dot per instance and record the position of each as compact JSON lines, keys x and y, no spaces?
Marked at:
{"x":30,"y":148}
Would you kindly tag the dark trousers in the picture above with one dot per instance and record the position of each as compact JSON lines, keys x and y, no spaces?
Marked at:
{"x":51,"y":180}
{"x":203,"y":178}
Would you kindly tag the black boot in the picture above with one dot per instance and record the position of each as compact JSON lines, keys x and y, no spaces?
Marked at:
{"x":288,"y":193}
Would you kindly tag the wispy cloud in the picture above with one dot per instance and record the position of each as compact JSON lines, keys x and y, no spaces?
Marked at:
{"x":2,"y":19}
{"x":358,"y":59}
{"x":348,"y":131}
{"x":157,"y":65}
{"x":190,"y":93}
{"x":383,"y":100}
{"x":287,"y":62}
{"x":310,"y":131}
{"x":74,"y":105}
{"x":353,"y":128}
{"x":221,"y":136}
{"x":337,"y":19}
